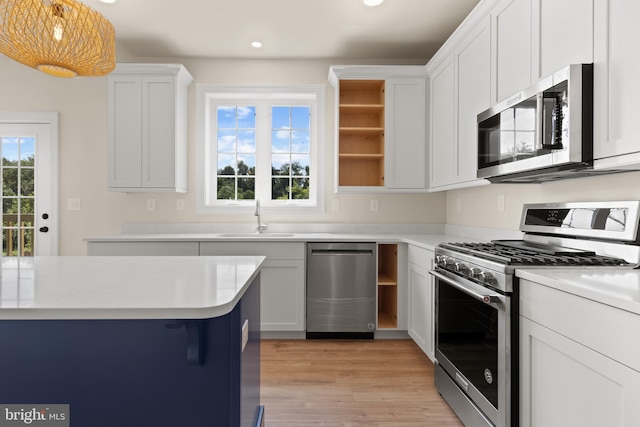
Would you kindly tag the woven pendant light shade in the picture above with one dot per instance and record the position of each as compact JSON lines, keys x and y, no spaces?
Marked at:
{"x":63,"y":38}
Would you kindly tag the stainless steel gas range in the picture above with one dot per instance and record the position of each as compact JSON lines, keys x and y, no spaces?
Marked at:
{"x":477,"y":298}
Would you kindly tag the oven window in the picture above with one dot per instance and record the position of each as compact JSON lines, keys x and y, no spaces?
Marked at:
{"x":467,"y":334}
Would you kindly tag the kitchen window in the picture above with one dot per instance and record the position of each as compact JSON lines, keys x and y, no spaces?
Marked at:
{"x":260,"y":143}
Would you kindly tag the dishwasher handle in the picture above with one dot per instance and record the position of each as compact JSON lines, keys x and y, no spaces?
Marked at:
{"x":341,"y":252}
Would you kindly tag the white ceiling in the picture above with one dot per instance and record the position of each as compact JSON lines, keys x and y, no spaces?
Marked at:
{"x":397,"y":29}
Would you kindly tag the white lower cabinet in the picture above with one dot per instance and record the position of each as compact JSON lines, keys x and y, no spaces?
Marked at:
{"x":282,"y":280}
{"x":572,"y":367}
{"x":143,"y":248}
{"x":421,"y":300}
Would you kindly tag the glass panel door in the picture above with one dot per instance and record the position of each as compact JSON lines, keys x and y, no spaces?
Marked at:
{"x":25,"y":172}
{"x":18,"y":197}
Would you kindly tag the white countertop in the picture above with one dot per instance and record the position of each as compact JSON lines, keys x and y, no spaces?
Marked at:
{"x":427,"y":241}
{"x":124,"y":287}
{"x":617,"y":287}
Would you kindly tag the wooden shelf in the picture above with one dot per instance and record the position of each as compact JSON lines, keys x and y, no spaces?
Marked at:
{"x":361,"y":133}
{"x":363,"y":156}
{"x":362,"y":130}
{"x":385,"y":280}
{"x":387,"y":321}
{"x":387,"y":286}
{"x":361,"y":108}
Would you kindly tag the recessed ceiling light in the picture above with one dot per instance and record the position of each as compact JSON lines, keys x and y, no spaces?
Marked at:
{"x":256,"y":44}
{"x":372,"y":2}
{"x":108,"y":1}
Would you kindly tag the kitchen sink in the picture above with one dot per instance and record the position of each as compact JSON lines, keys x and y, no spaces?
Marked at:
{"x":254,"y":235}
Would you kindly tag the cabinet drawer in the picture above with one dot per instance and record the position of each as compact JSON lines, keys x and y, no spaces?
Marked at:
{"x":272,"y":250}
{"x":420,"y":256}
{"x":602,"y":328}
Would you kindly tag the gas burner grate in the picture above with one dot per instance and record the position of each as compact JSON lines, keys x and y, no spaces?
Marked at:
{"x":520,"y":256}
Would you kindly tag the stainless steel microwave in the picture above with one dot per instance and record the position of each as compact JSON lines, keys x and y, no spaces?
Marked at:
{"x":542,"y":133}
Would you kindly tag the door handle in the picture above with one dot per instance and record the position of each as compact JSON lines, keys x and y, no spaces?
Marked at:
{"x":44,"y":229}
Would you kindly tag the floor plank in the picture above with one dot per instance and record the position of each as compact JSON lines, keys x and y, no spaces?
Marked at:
{"x":324,"y":383}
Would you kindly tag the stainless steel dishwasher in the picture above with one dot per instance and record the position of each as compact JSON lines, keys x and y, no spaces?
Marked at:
{"x":341,"y":290}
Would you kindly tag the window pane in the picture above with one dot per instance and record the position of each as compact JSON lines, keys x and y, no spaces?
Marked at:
{"x":280,"y":188}
{"x":27,"y":151}
{"x":247,"y":141}
{"x":247,"y":164}
{"x":226,"y":189}
{"x":246,"y":188}
{"x":226,"y":141}
{"x":300,"y":143}
{"x":10,"y":242}
{"x":10,"y":182}
{"x":300,"y":117}
{"x":246,"y":117}
{"x":226,"y":117}
{"x":27,"y":241}
{"x":280,"y":164}
{"x":26,"y":181}
{"x":9,"y":212}
{"x":280,"y":118}
{"x":300,"y":189}
{"x":10,"y":151}
{"x":280,"y":141}
{"x":27,"y":206}
{"x":226,"y":164}
{"x":300,"y":164}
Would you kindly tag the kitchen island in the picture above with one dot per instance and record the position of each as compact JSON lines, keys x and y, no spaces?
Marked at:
{"x":133,"y":341}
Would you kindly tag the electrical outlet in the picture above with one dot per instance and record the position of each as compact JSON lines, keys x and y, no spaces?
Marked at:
{"x":74,"y":204}
{"x":374,"y":205}
{"x":180,"y":205}
{"x":501,"y":203}
{"x":335,"y":205}
{"x":151,"y":205}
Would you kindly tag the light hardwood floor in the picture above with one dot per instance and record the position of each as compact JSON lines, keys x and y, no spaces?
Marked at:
{"x":321,"y":383}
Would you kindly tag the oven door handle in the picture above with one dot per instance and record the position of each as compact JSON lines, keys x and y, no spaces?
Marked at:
{"x":476,"y":291}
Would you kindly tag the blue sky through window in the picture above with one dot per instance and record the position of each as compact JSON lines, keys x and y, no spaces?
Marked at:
{"x":13,"y":147}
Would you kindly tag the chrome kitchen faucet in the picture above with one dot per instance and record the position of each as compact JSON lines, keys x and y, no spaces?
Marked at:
{"x":261,"y":227}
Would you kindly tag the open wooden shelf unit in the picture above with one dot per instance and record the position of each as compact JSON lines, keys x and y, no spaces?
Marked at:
{"x":387,"y":286}
{"x":361,"y":133}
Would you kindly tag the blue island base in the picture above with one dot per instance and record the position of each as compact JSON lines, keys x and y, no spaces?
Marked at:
{"x":137,"y":373}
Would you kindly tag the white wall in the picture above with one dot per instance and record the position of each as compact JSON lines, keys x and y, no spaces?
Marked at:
{"x":82,"y":106}
{"x":479,"y":205}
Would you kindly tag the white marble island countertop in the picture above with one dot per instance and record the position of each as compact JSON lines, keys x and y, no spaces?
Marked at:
{"x":128,"y":287}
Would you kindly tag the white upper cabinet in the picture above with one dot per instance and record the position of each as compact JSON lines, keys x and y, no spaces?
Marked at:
{"x":511,"y":23}
{"x":562,"y":35}
{"x":147,"y":107}
{"x":616,"y":83}
{"x":442,"y":116}
{"x":405,"y":134}
{"x":473,"y":64}
{"x":380,"y":128}
{"x":460,"y":90}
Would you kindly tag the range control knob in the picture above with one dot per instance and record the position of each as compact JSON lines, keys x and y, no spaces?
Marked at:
{"x":486,"y":277}
{"x":475,"y":272}
{"x":461,"y":267}
{"x":440,"y":259}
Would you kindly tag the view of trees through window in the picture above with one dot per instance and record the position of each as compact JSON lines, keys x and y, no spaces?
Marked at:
{"x":238,"y":149}
{"x":18,"y":196}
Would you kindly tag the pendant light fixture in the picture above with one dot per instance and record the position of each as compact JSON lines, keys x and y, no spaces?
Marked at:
{"x":64,"y":38}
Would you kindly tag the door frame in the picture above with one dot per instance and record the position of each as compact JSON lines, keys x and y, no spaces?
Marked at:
{"x":51,"y":119}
